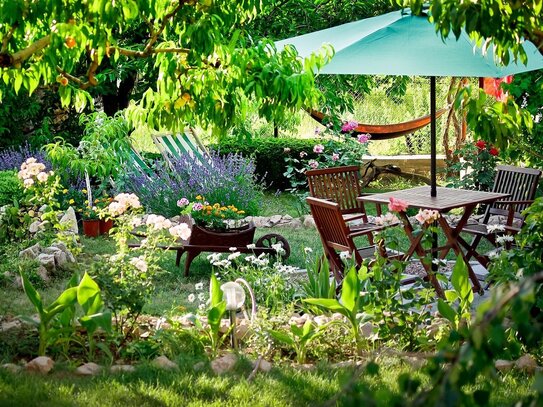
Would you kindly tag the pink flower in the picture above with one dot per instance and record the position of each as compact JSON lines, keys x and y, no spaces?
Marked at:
{"x":319,"y":148}
{"x":317,"y":131}
{"x":397,"y":205}
{"x":313,"y":164}
{"x":182,"y":231}
{"x":349,"y":126}
{"x":182,"y":202}
{"x":197,"y":206}
{"x":364,"y":138}
{"x":302,"y":154}
{"x":335,"y":157}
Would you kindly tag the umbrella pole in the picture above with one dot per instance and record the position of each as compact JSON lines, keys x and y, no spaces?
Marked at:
{"x":433,"y":149}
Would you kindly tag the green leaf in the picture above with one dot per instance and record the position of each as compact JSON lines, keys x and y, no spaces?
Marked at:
{"x":216,"y":292}
{"x":307,"y":328}
{"x":66,"y":299}
{"x":328,"y":303}
{"x":87,"y":291}
{"x":99,"y":320}
{"x":215,"y":314}
{"x":446,"y":310}
{"x":351,"y":290}
{"x":460,"y":280}
{"x":31,"y":293}
{"x":281,"y":337}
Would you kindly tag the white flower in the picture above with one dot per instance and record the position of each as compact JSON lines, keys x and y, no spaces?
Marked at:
{"x":278,"y":247}
{"x":135,"y":222}
{"x":233,"y":249}
{"x":158,"y":222}
{"x":30,"y":160}
{"x":202,"y":307}
{"x":503,"y":239}
{"x":139,"y":263}
{"x":214,"y":257}
{"x":199,"y":286}
{"x":251,"y":246}
{"x":308,"y":250}
{"x":28,"y":182}
{"x":201,"y":297}
{"x":116,"y":208}
{"x":182,"y":231}
{"x":492,"y":254}
{"x":345,"y":255}
{"x":495,"y":228}
{"x":191,"y":298}
{"x":427,"y":216}
{"x":387,"y":219}
{"x":42,"y":176}
{"x":234,"y":256}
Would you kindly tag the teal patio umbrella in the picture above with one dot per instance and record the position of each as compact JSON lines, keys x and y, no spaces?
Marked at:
{"x":399,"y":43}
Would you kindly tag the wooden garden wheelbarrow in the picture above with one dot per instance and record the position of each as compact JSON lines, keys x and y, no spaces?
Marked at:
{"x":242,"y":238}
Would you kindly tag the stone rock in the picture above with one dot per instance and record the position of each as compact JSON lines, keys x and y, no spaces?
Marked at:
{"x":88,"y":369}
{"x":51,"y":250}
{"x":31,"y":252}
{"x":367,"y":329}
{"x":41,"y":364}
{"x":43,"y":273}
{"x":309,"y":222}
{"x":336,"y":316}
{"x":287,"y":218}
{"x":11,"y":367}
{"x":200,"y":366}
{"x":261,"y":221}
{"x":122,"y":369}
{"x":307,"y":367}
{"x":321,"y":320}
{"x":6,"y":326}
{"x":162,"y":362}
{"x":526,"y":364}
{"x":47,"y":260}
{"x":34,"y":227}
{"x":295,"y":224}
{"x":503,"y":365}
{"x":243,"y":326}
{"x":416,"y":363}
{"x":264,"y":366}
{"x":69,"y":219}
{"x":224,"y":364}
{"x":275,"y":219}
{"x":60,"y":258}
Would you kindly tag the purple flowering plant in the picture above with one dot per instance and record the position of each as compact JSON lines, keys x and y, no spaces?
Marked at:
{"x":227,"y":180}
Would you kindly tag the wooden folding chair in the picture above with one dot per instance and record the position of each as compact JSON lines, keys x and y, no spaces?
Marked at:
{"x":521,"y":184}
{"x":336,"y":236}
{"x":177,"y":145}
{"x":342,"y":185}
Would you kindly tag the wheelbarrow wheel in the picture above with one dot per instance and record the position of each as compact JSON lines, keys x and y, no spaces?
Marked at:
{"x":272,"y":239}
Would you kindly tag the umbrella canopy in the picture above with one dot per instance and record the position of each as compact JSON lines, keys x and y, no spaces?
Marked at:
{"x":399,"y":43}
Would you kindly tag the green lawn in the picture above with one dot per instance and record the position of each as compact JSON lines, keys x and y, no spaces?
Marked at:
{"x":283,"y":386}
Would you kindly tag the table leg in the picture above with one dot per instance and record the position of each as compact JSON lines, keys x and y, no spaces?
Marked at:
{"x":452,"y":236}
{"x":417,"y":248}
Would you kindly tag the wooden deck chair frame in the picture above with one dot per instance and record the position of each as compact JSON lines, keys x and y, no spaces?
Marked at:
{"x":342,"y":185}
{"x":521,"y":184}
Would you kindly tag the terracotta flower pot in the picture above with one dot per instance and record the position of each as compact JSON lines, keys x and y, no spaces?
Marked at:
{"x":105,"y":226}
{"x":91,"y":227}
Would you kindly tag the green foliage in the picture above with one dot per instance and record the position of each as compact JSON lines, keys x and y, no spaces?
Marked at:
{"x":206,"y":65}
{"x":10,"y":188}
{"x":102,"y":151}
{"x":269,"y":155}
{"x":462,"y":293}
{"x":14,"y":222}
{"x":319,"y":284}
{"x":477,"y":167}
{"x":56,"y":317}
{"x":299,"y":338}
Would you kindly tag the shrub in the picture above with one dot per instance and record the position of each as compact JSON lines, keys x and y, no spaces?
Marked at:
{"x":228,"y":180}
{"x":269,"y":156}
{"x":10,"y":188}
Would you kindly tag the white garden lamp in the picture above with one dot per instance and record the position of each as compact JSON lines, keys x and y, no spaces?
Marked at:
{"x":234,"y":295}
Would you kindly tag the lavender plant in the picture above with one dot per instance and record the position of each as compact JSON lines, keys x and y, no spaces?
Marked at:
{"x":228,"y":180}
{"x":12,"y":158}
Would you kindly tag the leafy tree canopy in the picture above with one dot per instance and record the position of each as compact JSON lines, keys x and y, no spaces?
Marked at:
{"x":207,"y":66}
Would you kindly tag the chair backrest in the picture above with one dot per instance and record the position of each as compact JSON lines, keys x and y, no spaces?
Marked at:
{"x":176,"y":145}
{"x":332,"y":229}
{"x":520,"y":183}
{"x":339,"y":184}
{"x":138,"y":164}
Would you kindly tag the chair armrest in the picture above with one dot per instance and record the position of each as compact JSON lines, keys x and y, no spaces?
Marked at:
{"x":512,"y":206}
{"x":521,"y":202}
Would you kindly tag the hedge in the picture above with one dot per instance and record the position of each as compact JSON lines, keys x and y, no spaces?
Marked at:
{"x":269,"y":156}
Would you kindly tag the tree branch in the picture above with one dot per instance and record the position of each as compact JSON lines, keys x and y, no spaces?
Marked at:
{"x":14,"y":60}
{"x":144,"y":54}
{"x":154,"y":35}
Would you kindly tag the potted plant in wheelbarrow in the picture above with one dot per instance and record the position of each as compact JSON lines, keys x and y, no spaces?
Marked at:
{"x":220,"y":228}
